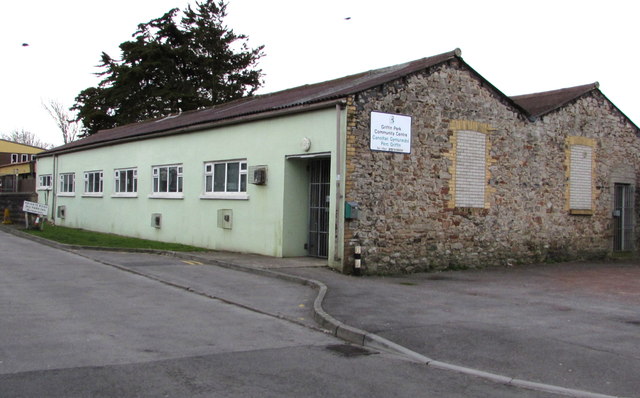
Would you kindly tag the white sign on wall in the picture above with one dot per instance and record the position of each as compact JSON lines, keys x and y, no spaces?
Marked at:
{"x":390,"y":132}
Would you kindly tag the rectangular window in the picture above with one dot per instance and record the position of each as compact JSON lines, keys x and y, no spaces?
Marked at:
{"x":126,"y":182}
{"x":67,"y":183}
{"x":470,"y":166}
{"x":14,"y":158}
{"x":24,"y":157}
{"x":167,"y":181}
{"x":580,"y":178}
{"x":225,"y":179}
{"x":44,"y":182}
{"x":93,"y":182}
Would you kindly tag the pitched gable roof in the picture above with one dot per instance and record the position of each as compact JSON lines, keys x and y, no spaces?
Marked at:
{"x":543,"y":103}
{"x":539,"y":104}
{"x":291,"y":98}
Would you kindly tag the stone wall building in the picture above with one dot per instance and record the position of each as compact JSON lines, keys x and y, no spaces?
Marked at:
{"x":517,"y":201}
{"x":419,"y":166}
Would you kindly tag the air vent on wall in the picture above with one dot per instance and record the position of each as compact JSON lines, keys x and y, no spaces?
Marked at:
{"x":258,"y":175}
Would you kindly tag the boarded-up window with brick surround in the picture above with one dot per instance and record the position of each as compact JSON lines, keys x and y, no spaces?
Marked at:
{"x":470,"y":177}
{"x":580,"y":169}
{"x":580,"y":177}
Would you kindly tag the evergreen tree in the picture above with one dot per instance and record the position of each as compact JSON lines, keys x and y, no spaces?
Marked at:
{"x":172,"y":64}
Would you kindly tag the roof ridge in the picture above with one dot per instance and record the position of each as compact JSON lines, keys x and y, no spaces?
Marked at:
{"x":591,"y":86}
{"x":544,"y":102}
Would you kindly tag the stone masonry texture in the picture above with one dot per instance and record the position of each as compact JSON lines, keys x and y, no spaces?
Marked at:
{"x":408,"y":219}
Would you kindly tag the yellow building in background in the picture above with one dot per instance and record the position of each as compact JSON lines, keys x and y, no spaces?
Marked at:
{"x":17,"y":166}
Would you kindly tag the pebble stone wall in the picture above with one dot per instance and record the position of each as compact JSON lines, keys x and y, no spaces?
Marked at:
{"x":408,"y":220}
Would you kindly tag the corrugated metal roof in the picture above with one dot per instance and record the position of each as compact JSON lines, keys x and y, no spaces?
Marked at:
{"x":303,"y":95}
{"x":531,"y":105}
{"x":538,"y":104}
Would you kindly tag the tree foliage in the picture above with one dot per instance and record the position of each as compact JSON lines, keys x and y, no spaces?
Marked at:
{"x":172,"y":64}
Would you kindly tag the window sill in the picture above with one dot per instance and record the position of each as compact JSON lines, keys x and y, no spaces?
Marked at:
{"x":225,"y":196}
{"x":581,"y":212}
{"x":92,"y":195}
{"x":66,"y":194}
{"x":166,"y":196}
{"x":125,"y":195}
{"x":44,"y":189}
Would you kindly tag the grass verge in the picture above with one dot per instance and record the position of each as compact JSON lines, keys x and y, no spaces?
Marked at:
{"x":82,"y":237}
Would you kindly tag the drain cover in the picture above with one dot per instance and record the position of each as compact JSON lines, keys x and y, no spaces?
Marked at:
{"x":348,"y":350}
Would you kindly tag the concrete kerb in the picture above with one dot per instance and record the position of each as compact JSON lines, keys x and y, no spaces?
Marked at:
{"x":326,"y":321}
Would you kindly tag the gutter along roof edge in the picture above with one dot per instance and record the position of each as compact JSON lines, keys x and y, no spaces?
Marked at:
{"x":198,"y":127}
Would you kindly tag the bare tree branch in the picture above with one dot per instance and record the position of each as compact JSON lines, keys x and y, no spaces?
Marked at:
{"x":66,"y":124}
{"x":25,"y":137}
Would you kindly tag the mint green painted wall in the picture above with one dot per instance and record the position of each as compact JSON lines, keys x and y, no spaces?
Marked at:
{"x":272,"y":221}
{"x":296,"y":207}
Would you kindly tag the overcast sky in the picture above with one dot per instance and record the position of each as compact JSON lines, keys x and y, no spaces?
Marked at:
{"x":520,"y":47}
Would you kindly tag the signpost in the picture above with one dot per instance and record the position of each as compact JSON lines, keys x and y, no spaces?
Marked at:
{"x":38,"y":209}
{"x":35,"y":208}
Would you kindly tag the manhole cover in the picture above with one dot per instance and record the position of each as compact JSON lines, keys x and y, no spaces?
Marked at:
{"x":347,"y":350}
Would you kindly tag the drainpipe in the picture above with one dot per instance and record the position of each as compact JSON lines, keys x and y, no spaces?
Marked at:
{"x":54,"y":184}
{"x":336,"y":254}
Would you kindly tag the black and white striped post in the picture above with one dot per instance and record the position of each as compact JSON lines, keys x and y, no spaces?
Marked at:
{"x":357,"y":264}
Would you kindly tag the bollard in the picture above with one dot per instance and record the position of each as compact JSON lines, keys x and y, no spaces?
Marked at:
{"x":7,"y":217}
{"x":357,"y":261}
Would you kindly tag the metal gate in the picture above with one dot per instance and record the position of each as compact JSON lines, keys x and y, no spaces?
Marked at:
{"x":319,"y":183}
{"x":623,"y":217}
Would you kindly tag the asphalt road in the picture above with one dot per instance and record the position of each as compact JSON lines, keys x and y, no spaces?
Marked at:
{"x":74,"y":327}
{"x":572,"y":325}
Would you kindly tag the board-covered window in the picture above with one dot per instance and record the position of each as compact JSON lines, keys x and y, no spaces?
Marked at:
{"x":470,"y":161}
{"x":580,"y":166}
